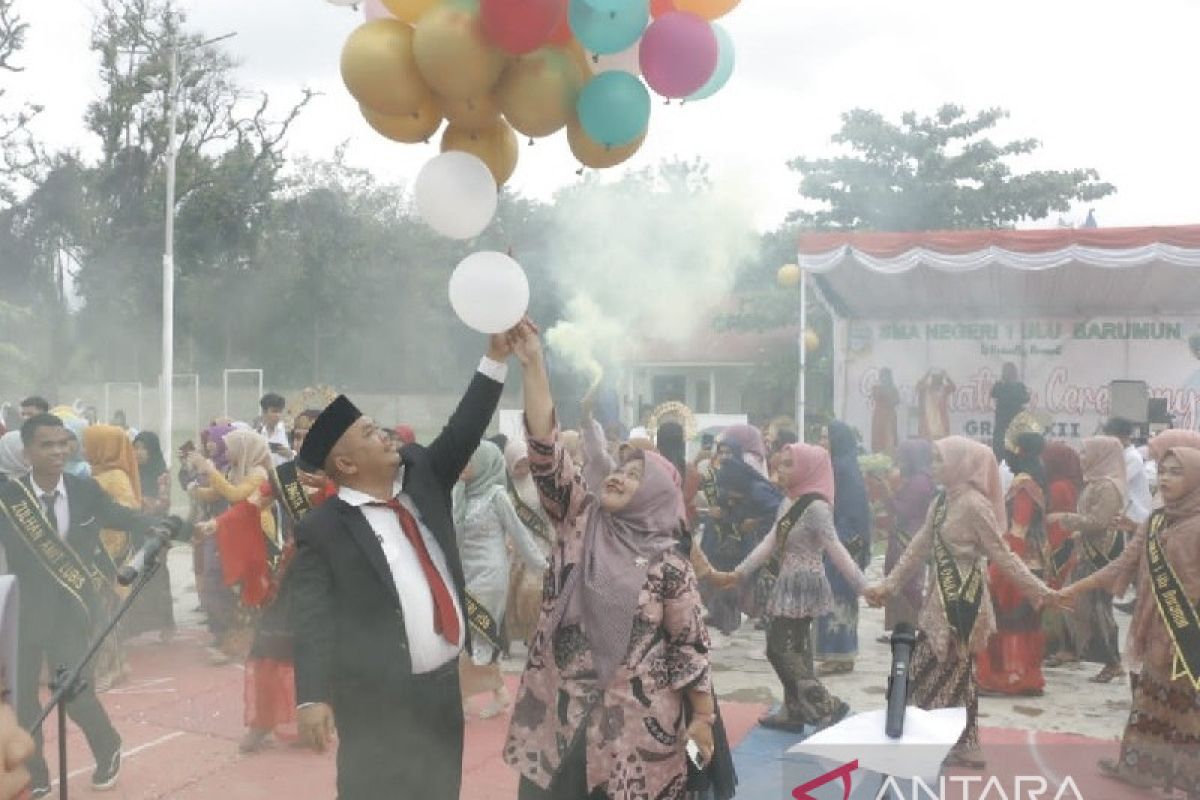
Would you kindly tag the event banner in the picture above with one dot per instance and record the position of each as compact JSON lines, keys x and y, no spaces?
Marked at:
{"x":1067,"y":365}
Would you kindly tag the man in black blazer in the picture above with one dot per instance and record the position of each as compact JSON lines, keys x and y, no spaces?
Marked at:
{"x":50,"y":526}
{"x":378,"y":598}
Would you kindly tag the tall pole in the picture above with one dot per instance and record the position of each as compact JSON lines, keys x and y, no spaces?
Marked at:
{"x":800,"y":393}
{"x":166,"y":390}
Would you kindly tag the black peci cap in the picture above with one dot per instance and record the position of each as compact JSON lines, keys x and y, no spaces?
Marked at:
{"x":328,"y":427}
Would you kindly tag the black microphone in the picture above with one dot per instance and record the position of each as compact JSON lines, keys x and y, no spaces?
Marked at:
{"x":903,"y":641}
{"x":158,"y":539}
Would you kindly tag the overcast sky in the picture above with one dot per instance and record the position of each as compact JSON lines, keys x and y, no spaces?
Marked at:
{"x":1104,"y":83}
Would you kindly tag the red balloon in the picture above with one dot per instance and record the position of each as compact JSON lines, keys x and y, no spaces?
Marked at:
{"x":520,"y":26}
{"x":660,"y":7}
{"x":562,"y":33}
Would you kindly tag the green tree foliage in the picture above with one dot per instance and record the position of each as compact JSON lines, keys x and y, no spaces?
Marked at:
{"x":933,"y":173}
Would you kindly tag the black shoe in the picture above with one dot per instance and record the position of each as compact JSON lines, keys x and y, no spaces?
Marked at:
{"x":41,"y":790}
{"x":105,"y":776}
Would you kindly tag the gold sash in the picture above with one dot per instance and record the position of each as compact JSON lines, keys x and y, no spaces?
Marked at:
{"x":28,"y":519}
{"x":960,"y":598}
{"x":291,"y":491}
{"x":529,"y":517}
{"x":1181,"y":618}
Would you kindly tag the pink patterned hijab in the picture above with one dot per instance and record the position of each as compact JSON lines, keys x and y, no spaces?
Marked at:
{"x":812,"y":472}
{"x":1170,"y":439}
{"x":968,"y":465}
{"x":1103,"y":459}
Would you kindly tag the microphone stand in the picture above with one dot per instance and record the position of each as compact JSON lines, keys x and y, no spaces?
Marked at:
{"x":67,"y":684}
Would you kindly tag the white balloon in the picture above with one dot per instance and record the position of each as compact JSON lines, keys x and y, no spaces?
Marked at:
{"x":627,"y":60}
{"x":456,"y":194}
{"x":489,"y":292}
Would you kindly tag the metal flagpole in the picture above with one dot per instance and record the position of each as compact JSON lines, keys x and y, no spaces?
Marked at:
{"x":801,"y":398}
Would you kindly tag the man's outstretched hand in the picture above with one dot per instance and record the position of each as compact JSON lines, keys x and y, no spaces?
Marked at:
{"x":501,"y":345}
{"x":525,"y":343}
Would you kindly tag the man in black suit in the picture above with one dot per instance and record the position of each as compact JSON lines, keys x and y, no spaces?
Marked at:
{"x":50,"y":525}
{"x":378,"y":598}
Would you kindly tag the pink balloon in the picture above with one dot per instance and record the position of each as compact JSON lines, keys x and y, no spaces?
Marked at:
{"x":678,"y":54}
{"x":374,"y":9}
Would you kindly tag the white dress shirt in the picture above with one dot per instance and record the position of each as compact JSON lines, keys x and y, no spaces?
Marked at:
{"x":62,"y":509}
{"x":427,"y":648}
{"x":1140,"y":503}
{"x":277,"y":436}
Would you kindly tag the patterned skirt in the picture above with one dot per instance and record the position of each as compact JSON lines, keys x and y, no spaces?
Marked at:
{"x":837,"y":631}
{"x":946,"y":684}
{"x":1161,"y":744}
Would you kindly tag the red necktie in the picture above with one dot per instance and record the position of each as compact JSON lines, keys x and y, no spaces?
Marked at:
{"x":445,"y":617}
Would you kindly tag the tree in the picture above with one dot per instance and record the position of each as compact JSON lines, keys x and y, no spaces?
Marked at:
{"x":19,"y":152}
{"x":933,"y":173}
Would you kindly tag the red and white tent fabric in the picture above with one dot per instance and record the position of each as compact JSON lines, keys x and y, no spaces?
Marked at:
{"x":962,"y":274}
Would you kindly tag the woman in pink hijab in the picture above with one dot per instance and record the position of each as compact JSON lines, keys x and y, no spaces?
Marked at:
{"x":792,"y":552}
{"x":962,"y":533}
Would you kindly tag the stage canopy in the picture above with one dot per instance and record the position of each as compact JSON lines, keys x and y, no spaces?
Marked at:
{"x":1075,"y":273}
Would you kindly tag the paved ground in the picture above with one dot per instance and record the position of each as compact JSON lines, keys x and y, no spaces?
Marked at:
{"x":181,"y":720}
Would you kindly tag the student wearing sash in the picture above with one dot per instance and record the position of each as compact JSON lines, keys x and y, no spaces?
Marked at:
{"x":1012,"y":662}
{"x":1161,"y":743}
{"x":1064,"y":476}
{"x":792,"y":552}
{"x":525,"y":583}
{"x":378,"y":598}
{"x":910,"y":505}
{"x":749,"y":504}
{"x":50,"y":527}
{"x":1097,"y":541}
{"x":965,"y":525}
{"x":618,"y":675}
{"x":837,"y":631}
{"x":486,"y":523}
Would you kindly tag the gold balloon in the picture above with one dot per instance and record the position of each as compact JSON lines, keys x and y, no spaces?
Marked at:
{"x":811,"y":341}
{"x":494,"y":145}
{"x":539,"y":91}
{"x":453,"y":55}
{"x":474,"y":112}
{"x":379,"y":70}
{"x":788,"y":276}
{"x":409,"y":10}
{"x":709,"y":9}
{"x":410,"y":128}
{"x":592,"y":154}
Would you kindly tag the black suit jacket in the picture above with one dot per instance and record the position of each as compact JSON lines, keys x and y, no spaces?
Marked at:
{"x":44,"y":603}
{"x":349,"y":626}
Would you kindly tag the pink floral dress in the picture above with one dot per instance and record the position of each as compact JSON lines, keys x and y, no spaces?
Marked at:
{"x":635,"y":729}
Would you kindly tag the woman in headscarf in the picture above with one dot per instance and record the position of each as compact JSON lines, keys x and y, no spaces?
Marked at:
{"x":885,"y":398}
{"x":1161,"y":743}
{"x":525,"y":583}
{"x":114,"y":466}
{"x":1097,"y":542}
{"x":792,"y":551}
{"x":217,"y":602}
{"x":1064,"y":477}
{"x":965,"y":524}
{"x":248,"y":455}
{"x":837,"y":631}
{"x":154,"y":609}
{"x":910,"y":503}
{"x":486,"y":522}
{"x":748,"y":505}
{"x":618,"y":676}
{"x":1171,"y":438}
{"x":1012,"y":662}
{"x":13,"y":463}
{"x":749,"y":444}
{"x":77,"y":463}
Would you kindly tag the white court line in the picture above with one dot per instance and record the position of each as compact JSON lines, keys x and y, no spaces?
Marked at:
{"x":125,"y":754}
{"x":1047,"y":773}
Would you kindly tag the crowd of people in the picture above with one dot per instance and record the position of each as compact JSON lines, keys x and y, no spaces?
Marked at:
{"x":371,"y":584}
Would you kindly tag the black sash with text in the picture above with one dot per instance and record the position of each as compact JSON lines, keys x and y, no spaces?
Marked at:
{"x":1100,"y":557}
{"x":1178,"y":614}
{"x":786,"y":523}
{"x":83,"y":582}
{"x":1060,"y":557}
{"x":291,"y":491}
{"x":960,"y":597}
{"x":725,"y":530}
{"x":529,"y":517}
{"x":482,"y":620}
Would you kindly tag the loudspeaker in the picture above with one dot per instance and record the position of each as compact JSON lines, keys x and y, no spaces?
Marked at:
{"x":1129,"y":399}
{"x":1158,"y":410}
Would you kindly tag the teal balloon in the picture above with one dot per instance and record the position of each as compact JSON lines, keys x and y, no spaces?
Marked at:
{"x":614,"y":108}
{"x":608,"y":26}
{"x":725,"y":59}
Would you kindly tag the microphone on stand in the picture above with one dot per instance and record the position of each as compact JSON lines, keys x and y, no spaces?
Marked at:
{"x":159,"y":538}
{"x":903,"y":640}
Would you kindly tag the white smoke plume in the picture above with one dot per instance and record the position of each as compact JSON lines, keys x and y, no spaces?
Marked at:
{"x":646,"y":258}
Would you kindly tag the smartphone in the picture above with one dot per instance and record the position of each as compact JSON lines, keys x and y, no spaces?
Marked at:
{"x":694,"y":755}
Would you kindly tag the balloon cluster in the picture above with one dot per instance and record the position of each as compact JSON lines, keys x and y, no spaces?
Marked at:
{"x":493,"y":69}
